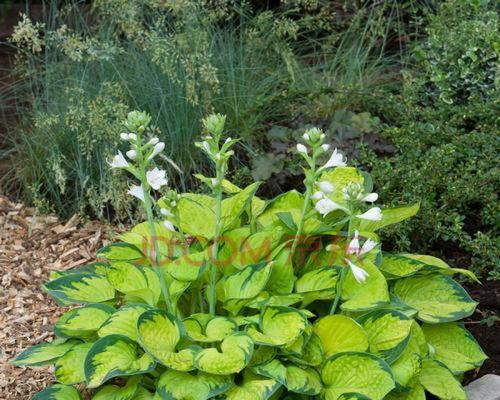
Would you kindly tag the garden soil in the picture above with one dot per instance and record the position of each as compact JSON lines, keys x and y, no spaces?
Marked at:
{"x":32,"y":245}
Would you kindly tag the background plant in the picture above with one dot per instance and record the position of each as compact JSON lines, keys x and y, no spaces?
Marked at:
{"x":230,"y":296}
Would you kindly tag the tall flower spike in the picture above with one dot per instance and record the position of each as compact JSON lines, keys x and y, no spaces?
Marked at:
{"x":359,"y":273}
{"x":373,"y":214}
{"x":156,"y":178}
{"x":336,"y":160}
{"x":137,"y":191}
{"x":119,"y":161}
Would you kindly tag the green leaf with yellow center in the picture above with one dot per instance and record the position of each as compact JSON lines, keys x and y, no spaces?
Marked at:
{"x":69,"y":368}
{"x":112,"y":356}
{"x":437,"y":298}
{"x":159,"y":334}
{"x":83,"y":322}
{"x":339,"y":333}
{"x":278,"y":326}
{"x":122,"y":252}
{"x":439,"y":380}
{"x":318,"y":284}
{"x":45,"y":353}
{"x":58,"y":392}
{"x":354,"y":372}
{"x":113,"y":392}
{"x":175,"y":385}
{"x":454,"y":346}
{"x":81,"y":288}
{"x":252,"y":387}
{"x":206,"y":328}
{"x":388,"y":333}
{"x":123,"y":322}
{"x":235,"y":353}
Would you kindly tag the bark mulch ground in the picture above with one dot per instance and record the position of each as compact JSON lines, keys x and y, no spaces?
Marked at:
{"x":31,"y":246}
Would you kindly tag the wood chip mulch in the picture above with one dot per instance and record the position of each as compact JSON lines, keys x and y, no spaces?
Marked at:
{"x":31,"y":246}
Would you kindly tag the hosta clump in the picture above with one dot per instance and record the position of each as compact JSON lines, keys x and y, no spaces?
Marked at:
{"x":229,"y":296}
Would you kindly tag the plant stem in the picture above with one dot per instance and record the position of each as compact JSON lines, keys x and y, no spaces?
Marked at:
{"x":156,"y":267}
{"x":215,"y":246}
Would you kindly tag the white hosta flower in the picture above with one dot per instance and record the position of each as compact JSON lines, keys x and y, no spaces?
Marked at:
{"x":325,"y":187}
{"x":217,"y":156}
{"x":326,"y":206}
{"x":124,"y":136}
{"x":336,"y":160}
{"x":373,"y":214}
{"x":370,"y":197}
{"x":156,"y":178}
{"x":153,"y":141}
{"x":359,"y":273}
{"x":132,"y":136}
{"x":306,"y":137}
{"x":325,"y":147}
{"x":368,"y":246}
{"x":228,"y":140}
{"x":353,"y":247}
{"x":157,"y":150}
{"x":119,"y":161}
{"x":132,"y":154}
{"x":166,"y":212}
{"x":301,"y":148}
{"x":317,"y":195}
{"x":137,"y":191}
{"x":167,"y":224}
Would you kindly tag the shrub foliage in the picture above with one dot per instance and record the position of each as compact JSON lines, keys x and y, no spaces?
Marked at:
{"x":228,"y":296}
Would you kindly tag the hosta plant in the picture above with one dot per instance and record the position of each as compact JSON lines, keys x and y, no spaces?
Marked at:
{"x":229,"y":296}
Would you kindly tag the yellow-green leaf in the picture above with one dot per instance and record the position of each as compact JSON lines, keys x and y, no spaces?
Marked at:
{"x":454,"y":346}
{"x":123,"y":322}
{"x":112,"y":356}
{"x":437,"y":298}
{"x":339,"y":333}
{"x":235,"y":353}
{"x":113,"y":392}
{"x":253,"y":387}
{"x":318,"y":284}
{"x":354,"y":372}
{"x":207,"y":328}
{"x":58,"y":392}
{"x":45,"y":353}
{"x":81,"y":288}
{"x":69,"y":368}
{"x":175,"y":385}
{"x":83,"y":322}
{"x":438,"y":380}
{"x":389,"y":216}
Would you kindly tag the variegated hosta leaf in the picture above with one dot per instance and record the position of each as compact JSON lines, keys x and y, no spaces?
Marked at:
{"x":264,"y":299}
{"x":233,"y":207}
{"x":304,"y":380}
{"x":81,"y":288}
{"x":436,"y":264}
{"x":123,"y":322}
{"x":262,"y":355}
{"x":140,"y":237}
{"x":115,"y":355}
{"x":279,"y":326}
{"x":188,"y":267}
{"x":45,"y":353}
{"x":159,"y":333}
{"x":174,"y":385}
{"x":206,"y":328}
{"x":454,"y":346}
{"x":312,"y":353}
{"x":197,"y":215}
{"x":282,"y":277}
{"x":388,"y":333}
{"x":408,"y":365}
{"x":69,"y":368}
{"x":398,"y":266}
{"x":234,"y":355}
{"x":253,"y":387}
{"x":353,"y":372}
{"x":438,"y":380}
{"x":122,"y":252}
{"x":437,"y":298}
{"x":143,"y":394}
{"x":353,"y":396}
{"x":132,"y":280}
{"x":112,"y":392}
{"x":318,"y":284}
{"x":390,"y":216}
{"x":414,"y":391}
{"x":363,"y":296}
{"x":58,"y":392}
{"x":297,"y":347}
{"x":83,"y":322}
{"x":339,"y":333}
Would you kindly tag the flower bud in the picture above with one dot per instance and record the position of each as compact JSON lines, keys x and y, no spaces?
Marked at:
{"x":301,"y":148}
{"x":124,"y":136}
{"x":137,"y":119}
{"x":132,"y":154}
{"x":214,"y":123}
{"x":153,"y":141}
